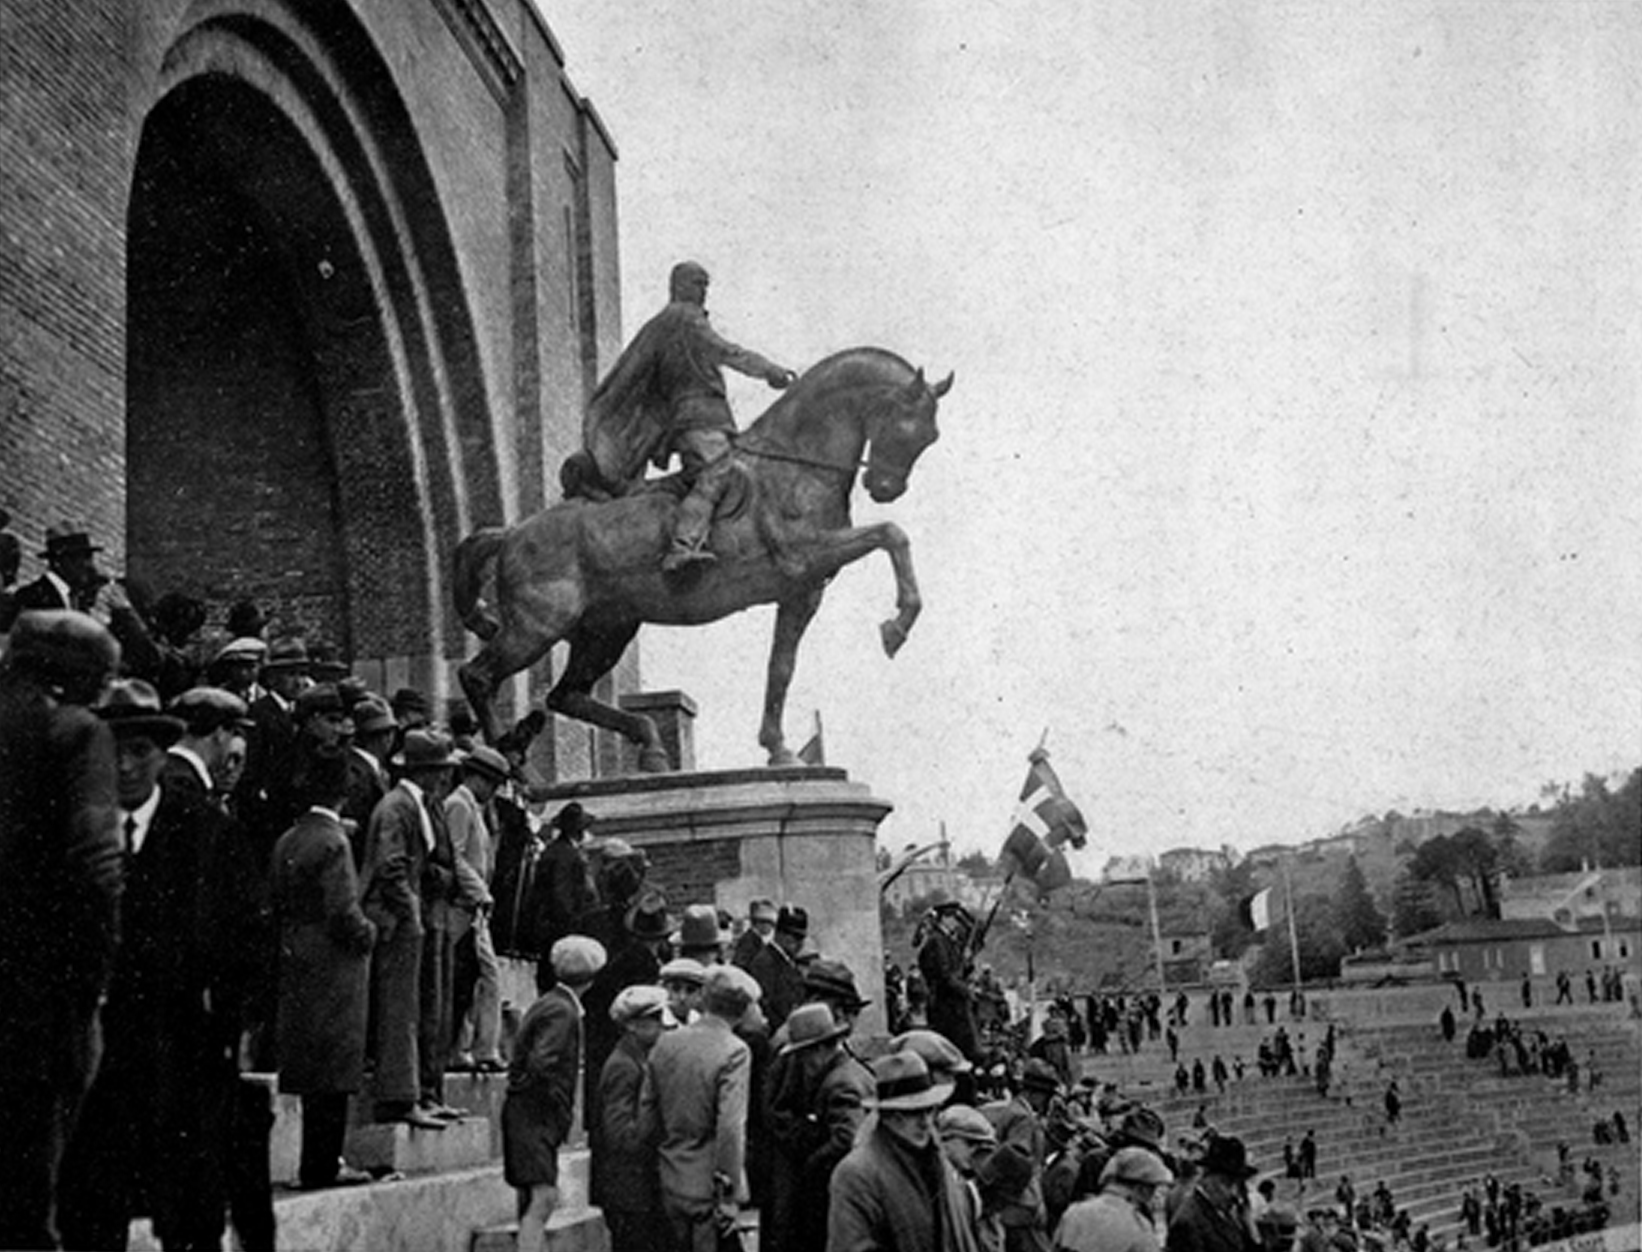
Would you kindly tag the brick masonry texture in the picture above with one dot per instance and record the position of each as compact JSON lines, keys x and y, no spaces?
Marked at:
{"x":372,"y":268}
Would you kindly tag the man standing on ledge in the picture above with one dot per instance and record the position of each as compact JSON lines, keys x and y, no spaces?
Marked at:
{"x":665,"y":395}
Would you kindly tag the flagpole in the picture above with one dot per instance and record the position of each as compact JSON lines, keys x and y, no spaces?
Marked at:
{"x":1294,"y":941}
{"x":1157,"y":933}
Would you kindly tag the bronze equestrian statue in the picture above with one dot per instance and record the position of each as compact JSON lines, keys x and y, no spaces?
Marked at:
{"x":589,"y":570}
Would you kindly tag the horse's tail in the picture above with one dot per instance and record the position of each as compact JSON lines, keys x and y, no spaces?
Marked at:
{"x":473,"y":555}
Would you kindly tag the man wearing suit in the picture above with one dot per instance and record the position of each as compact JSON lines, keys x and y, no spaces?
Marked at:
{"x":697,"y":1099}
{"x":271,"y":749}
{"x":216,"y":722}
{"x":476,"y":987}
{"x":374,"y":730}
{"x":155,"y":1121}
{"x":775,"y":965}
{"x":71,"y":579}
{"x":562,"y":888}
{"x":626,"y":1187}
{"x":325,"y":945}
{"x":399,"y":845}
{"x":541,"y":1086}
{"x":59,"y":901}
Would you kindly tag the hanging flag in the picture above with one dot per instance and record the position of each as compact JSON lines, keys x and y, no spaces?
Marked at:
{"x":1045,"y":821}
{"x":1256,"y":910}
{"x":1044,"y":809}
{"x":814,"y":751}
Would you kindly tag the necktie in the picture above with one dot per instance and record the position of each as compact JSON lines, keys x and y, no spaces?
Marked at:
{"x":130,"y":835}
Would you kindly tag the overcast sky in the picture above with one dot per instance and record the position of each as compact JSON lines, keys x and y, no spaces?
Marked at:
{"x":1292,"y":470}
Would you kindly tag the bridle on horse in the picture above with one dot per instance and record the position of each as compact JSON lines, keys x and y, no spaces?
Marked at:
{"x":769,"y":454}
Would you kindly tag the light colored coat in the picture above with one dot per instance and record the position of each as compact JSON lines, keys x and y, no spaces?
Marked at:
{"x":696,"y":1095}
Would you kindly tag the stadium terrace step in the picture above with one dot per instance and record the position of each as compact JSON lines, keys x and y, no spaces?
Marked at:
{"x":395,"y":1148}
{"x":578,"y":1229}
{"x":435,"y":1211}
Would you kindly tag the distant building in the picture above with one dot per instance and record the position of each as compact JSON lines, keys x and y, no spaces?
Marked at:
{"x":933,"y":872}
{"x":1564,"y":898}
{"x":1187,"y":956}
{"x":1194,"y":864}
{"x":1504,"y":949}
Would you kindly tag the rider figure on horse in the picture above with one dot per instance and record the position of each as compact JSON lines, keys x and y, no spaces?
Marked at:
{"x":665,"y":395}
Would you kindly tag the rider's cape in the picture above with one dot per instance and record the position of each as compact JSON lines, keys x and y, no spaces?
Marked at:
{"x":628,"y":420}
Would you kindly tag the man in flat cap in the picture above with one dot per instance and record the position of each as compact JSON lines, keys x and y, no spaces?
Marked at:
{"x":215,"y":725}
{"x":541,"y":1086}
{"x":59,"y":900}
{"x":628,"y":1189}
{"x":156,"y":1121}
{"x":697,"y":1098}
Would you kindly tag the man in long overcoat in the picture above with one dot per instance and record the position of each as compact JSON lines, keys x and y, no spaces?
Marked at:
{"x":561,"y":889}
{"x":324,"y":973}
{"x":59,"y":900}
{"x":152,"y":1137}
{"x":398,"y":843}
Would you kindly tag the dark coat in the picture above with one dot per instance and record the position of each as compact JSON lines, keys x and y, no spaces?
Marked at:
{"x":59,"y":892}
{"x":631,"y":964}
{"x":814,"y":1128}
{"x":561,"y":890}
{"x":541,"y":1089}
{"x":1207,"y":1221}
{"x":624,"y":1152}
{"x":367,"y":785}
{"x":155,"y":1119}
{"x":951,"y":1003}
{"x":888,"y":1198}
{"x":324,"y":950}
{"x":781,"y":982}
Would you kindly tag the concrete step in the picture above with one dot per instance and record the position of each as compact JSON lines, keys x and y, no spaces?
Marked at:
{"x":578,"y":1229}
{"x":395,"y":1148}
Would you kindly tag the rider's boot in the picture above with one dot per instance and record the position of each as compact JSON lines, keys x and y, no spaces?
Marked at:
{"x":690,"y":529}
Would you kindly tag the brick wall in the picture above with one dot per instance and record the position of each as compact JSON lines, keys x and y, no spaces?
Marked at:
{"x":63,"y":137}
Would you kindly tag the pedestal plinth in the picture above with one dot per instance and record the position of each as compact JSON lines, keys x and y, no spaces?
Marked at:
{"x":801,"y":835}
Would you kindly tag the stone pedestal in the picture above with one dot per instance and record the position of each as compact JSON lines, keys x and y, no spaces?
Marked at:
{"x":801,"y":835}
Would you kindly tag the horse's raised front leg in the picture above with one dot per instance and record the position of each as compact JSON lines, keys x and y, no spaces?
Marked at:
{"x":836,"y":549}
{"x":792,"y":618}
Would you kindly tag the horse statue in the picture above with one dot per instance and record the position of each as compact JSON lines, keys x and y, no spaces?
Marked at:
{"x":589,"y":572}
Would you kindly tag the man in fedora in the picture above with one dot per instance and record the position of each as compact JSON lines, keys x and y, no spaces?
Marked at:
{"x":156,"y":1121}
{"x":700,"y":937}
{"x":476,"y":991}
{"x":59,"y":900}
{"x":761,"y":915}
{"x":775,"y":966}
{"x":817,"y":1102}
{"x":270,"y":750}
{"x":1214,"y":1215}
{"x":71,"y":578}
{"x":895,"y":1190}
{"x":1020,"y":1120}
{"x":374,"y":730}
{"x":697,"y":1099}
{"x":402,"y":844}
{"x":562,"y":887}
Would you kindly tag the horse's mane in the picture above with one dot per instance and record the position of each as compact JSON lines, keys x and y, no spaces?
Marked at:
{"x":874,"y":365}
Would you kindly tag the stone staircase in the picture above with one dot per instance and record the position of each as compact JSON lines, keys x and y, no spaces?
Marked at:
{"x":437,"y":1190}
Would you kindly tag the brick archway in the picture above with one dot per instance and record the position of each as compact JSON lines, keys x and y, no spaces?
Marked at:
{"x":306,"y":421}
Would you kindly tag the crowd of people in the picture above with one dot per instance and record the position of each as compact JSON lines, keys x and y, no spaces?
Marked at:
{"x":235,"y":858}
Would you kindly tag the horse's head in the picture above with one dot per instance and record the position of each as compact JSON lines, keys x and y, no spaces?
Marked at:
{"x":901,"y":428}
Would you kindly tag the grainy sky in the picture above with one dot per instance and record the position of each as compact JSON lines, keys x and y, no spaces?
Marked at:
{"x":1292,"y":471}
